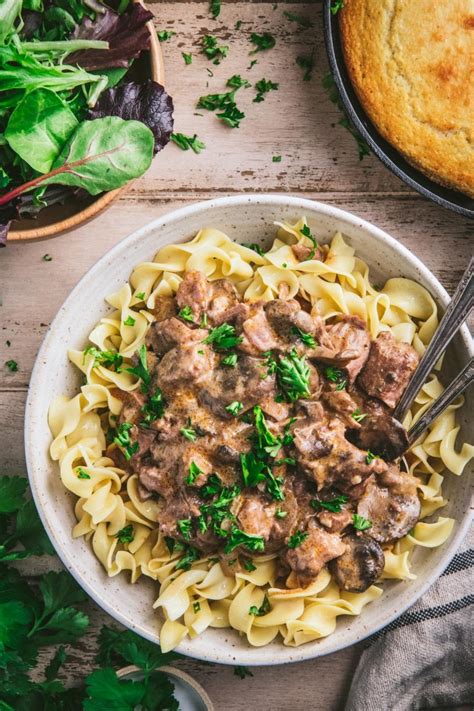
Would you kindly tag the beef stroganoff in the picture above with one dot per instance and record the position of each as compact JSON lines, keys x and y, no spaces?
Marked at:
{"x":211,"y":447}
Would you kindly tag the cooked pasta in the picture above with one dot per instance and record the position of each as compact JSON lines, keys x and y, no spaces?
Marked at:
{"x":122,"y":528}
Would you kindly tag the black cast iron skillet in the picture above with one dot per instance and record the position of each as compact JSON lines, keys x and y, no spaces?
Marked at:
{"x":446,"y":197}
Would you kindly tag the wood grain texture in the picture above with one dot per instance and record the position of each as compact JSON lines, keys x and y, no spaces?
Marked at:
{"x":319,"y":161}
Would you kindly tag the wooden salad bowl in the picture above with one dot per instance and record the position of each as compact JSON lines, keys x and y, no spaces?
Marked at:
{"x":57,"y":219}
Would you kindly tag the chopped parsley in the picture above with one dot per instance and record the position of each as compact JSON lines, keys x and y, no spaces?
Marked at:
{"x":306,"y":232}
{"x":252,"y":469}
{"x":240,"y":538}
{"x":186,"y":142}
{"x":281,"y":514}
{"x":262,"y":42}
{"x":238,"y":25}
{"x":165,"y":35}
{"x":153,"y":409}
{"x":125,"y":535}
{"x":276,"y":159}
{"x":231,"y":116}
{"x":211,"y":102}
{"x":212,"y":487}
{"x":336,"y":5}
{"x":188,"y":58}
{"x":370,"y":457}
{"x":304,"y":22}
{"x":297,"y":539}
{"x":286,"y":460}
{"x":215,"y":8}
{"x":109,"y":359}
{"x":186,"y":560}
{"x":263,"y":87}
{"x":196,"y":607}
{"x":306,"y":63}
{"x":213,"y":50}
{"x":223,"y":338}
{"x":47,"y":258}
{"x":122,"y":439}
{"x":333,"y":93}
{"x":186,"y":314}
{"x":293,"y":375}
{"x":189,"y":433}
{"x":230,"y":360}
{"x":360,"y":523}
{"x":358,"y":416}
{"x":252,"y":64}
{"x":237,"y":82}
{"x":185,"y":528}
{"x":141,"y":369}
{"x":262,"y":610}
{"x":194,"y":472}
{"x":129,"y":321}
{"x":334,"y":505}
{"x":254,"y":247}
{"x":336,"y":375}
{"x":305,"y":337}
{"x":140,"y":295}
{"x":235,"y":407}
{"x":82,"y":474}
{"x":249,"y":566}
{"x":242,"y":672}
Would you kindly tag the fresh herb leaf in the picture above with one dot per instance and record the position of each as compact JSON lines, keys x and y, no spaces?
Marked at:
{"x":358,"y":416}
{"x":230,"y":360}
{"x":185,"y":528}
{"x":297,"y":539}
{"x":281,"y":514}
{"x":186,"y":314}
{"x":194,"y":472}
{"x":196,"y":607}
{"x":242,"y":672}
{"x":330,"y":86}
{"x":306,"y":232}
{"x":236,"y":82}
{"x":12,"y":365}
{"x":118,"y":648}
{"x":276,"y":159}
{"x":305,"y":337}
{"x":12,"y":489}
{"x":189,"y":433}
{"x":304,"y":22}
{"x":82,"y":474}
{"x":213,"y":50}
{"x":141,"y":369}
{"x":186,"y":142}
{"x":153,"y":409}
{"x":370,"y":457}
{"x":126,"y":534}
{"x":211,"y":102}
{"x":187,"y":559}
{"x":165,"y":35}
{"x":231,"y":116}
{"x":293,"y":376}
{"x":360,"y":523}
{"x":334,"y":505}
{"x":215,"y":8}
{"x":306,"y":63}
{"x":109,"y":359}
{"x":336,"y":5}
{"x":212,"y":487}
{"x":254,"y":247}
{"x":252,"y":469}
{"x":263,"y":87}
{"x":234,"y":408}
{"x":129,"y":321}
{"x":122,"y":440}
{"x":240,"y":538}
{"x":188,"y":58}
{"x":262,"y":610}
{"x":223,"y":338}
{"x":262,"y":42}
{"x":336,"y":375}
{"x":249,"y":566}
{"x":47,"y":258}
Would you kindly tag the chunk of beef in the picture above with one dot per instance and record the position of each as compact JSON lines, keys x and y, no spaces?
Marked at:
{"x":307,"y":560}
{"x":388,"y":369}
{"x":330,"y":459}
{"x":391,"y":504}
{"x":191,"y":363}
{"x":335,"y":522}
{"x":194,"y":292}
{"x":132,"y":403}
{"x":159,"y":479}
{"x":170,"y":333}
{"x":222,"y":300}
{"x":343,"y":405}
{"x":257,"y":516}
{"x":349,"y":346}
{"x":382,"y":434}
{"x":258,"y":335}
{"x":360,"y":565}
{"x":285,"y":316}
{"x":303,"y":253}
{"x":165,"y":307}
{"x":244,"y":384}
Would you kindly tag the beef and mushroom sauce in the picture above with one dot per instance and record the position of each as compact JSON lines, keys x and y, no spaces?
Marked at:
{"x":239,"y":431}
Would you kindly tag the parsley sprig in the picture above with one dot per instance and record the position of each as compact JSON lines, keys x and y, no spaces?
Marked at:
{"x":293,"y":375}
{"x":109,"y":359}
{"x":140,"y":370}
{"x":334,"y":505}
{"x":123,"y":441}
{"x":223,"y":337}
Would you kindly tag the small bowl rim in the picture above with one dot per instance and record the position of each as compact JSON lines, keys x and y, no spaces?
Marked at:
{"x":103,"y":201}
{"x":228,"y":654}
{"x":169,"y":670}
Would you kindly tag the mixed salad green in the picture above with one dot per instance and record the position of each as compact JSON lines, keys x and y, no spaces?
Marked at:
{"x":73,"y":119}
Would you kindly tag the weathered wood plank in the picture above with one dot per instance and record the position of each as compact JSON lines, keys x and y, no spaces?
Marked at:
{"x":440,"y":238}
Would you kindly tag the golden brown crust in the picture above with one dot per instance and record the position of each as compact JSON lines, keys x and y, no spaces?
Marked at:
{"x":411,"y":64}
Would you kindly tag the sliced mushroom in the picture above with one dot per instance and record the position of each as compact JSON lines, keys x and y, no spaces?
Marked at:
{"x":382,"y":434}
{"x":360,"y":565}
{"x":391,"y":504}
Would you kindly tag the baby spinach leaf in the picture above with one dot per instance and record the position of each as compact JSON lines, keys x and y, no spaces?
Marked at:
{"x":9,"y":11}
{"x":41,"y":120}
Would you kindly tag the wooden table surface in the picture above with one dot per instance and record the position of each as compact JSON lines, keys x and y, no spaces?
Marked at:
{"x":319,"y":161}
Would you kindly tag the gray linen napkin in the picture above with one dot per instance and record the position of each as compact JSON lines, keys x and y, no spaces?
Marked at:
{"x":425,"y":658}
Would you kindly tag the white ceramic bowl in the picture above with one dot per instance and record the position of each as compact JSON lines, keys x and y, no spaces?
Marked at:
{"x":247,"y":218}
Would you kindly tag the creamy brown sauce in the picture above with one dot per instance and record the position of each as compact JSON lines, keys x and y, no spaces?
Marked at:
{"x":241,"y":434}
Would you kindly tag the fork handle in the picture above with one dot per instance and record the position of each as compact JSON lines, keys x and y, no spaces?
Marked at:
{"x":453,"y":391}
{"x":454,"y":316}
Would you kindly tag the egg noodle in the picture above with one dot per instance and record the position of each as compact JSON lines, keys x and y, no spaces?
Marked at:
{"x":203,"y":595}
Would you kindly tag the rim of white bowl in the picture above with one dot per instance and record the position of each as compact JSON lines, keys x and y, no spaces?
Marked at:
{"x":254,"y":656}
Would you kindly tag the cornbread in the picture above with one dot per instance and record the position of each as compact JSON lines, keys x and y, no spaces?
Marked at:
{"x":411,"y":63}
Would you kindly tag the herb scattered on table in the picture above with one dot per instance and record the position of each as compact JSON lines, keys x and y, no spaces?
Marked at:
{"x":276,"y":159}
{"x":302,"y":21}
{"x":263,"y":87}
{"x":12,"y":365}
{"x":242,"y":672}
{"x":186,"y":142}
{"x":215,"y":8}
{"x":306,"y":63}
{"x":333,"y":93}
{"x":262,"y":42}
{"x":47,"y":258}
{"x":188,"y":58}
{"x":212,"y":49}
{"x":165,"y":35}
